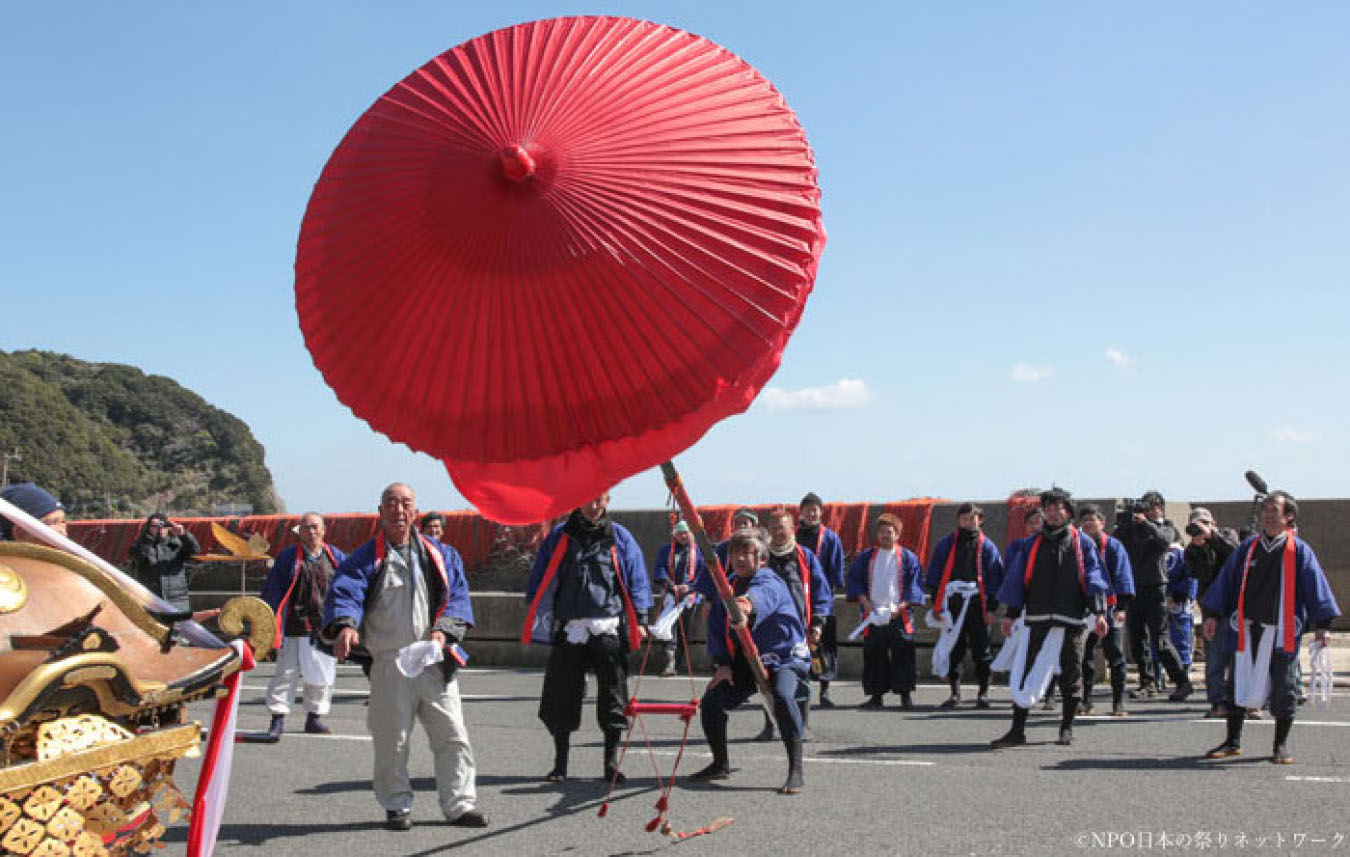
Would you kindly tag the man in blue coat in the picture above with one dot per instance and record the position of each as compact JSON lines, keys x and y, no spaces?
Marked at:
{"x":1270,"y":591}
{"x":588,"y":593}
{"x":780,"y":635}
{"x":963,"y":579}
{"x":1058,"y":588}
{"x":1119,"y":591}
{"x":395,"y":590}
{"x":679,"y":564}
{"x":829,"y":550}
{"x":885,"y":582}
{"x":295,"y":589}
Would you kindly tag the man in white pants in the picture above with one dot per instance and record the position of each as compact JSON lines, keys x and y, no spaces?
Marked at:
{"x":295,"y":588}
{"x":397,"y":589}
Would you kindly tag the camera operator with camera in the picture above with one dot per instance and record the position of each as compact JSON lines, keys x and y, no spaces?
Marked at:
{"x":1147,"y":536}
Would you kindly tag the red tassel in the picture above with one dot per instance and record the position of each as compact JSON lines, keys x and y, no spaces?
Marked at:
{"x":663,"y":804}
{"x":653,"y":824}
{"x":604,"y":809}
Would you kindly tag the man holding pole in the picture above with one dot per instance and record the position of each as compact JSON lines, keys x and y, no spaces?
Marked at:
{"x":779,"y":634}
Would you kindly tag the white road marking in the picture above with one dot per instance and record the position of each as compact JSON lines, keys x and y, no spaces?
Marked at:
{"x":1269,"y":721}
{"x":1319,"y":779}
{"x":881,"y":762}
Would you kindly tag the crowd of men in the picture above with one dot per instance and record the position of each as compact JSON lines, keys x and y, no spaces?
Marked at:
{"x":399,"y":604}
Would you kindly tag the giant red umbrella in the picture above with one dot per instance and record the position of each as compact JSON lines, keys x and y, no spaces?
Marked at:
{"x":557,"y":254}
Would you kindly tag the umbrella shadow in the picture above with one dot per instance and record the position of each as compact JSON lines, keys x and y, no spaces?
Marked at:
{"x":263,"y":834}
{"x":419,"y":784}
{"x":574,"y":796}
{"x":571,"y":801}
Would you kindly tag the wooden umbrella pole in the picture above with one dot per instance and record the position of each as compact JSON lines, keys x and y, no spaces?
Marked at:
{"x":719,"y":577}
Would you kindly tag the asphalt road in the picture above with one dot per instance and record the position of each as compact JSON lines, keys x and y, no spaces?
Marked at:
{"x":921,"y":782}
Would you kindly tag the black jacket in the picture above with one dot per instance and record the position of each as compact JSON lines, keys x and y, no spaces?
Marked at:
{"x":160,"y":566}
{"x":1204,"y":561}
{"x":1146,"y":543}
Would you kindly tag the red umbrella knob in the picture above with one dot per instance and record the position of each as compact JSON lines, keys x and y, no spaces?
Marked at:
{"x":517,"y":163}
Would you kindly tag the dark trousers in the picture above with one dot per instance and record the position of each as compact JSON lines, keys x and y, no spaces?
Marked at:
{"x":829,"y":650}
{"x":565,"y":684}
{"x":1218,"y":663}
{"x":889,"y":662}
{"x":791,"y":693}
{"x":1284,"y":676}
{"x":1146,"y":622}
{"x":1114,"y":650}
{"x":1070,"y":657}
{"x":975,"y":634}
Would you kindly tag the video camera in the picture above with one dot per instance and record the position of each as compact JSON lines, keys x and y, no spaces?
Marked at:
{"x":1127,"y":508}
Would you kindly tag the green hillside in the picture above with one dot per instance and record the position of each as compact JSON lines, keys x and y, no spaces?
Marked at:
{"x":113,"y":441}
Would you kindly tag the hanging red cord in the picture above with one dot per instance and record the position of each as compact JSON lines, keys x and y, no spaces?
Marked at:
{"x":636,"y":711}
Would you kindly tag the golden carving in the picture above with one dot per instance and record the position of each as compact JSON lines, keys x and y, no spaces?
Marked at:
{"x":13,"y":590}
{"x":88,"y":845}
{"x":257,"y":615}
{"x":171,"y":743}
{"x":66,"y":824}
{"x":83,"y":793}
{"x":43,"y":803}
{"x":124,"y":780}
{"x":9,"y":813}
{"x":68,"y":735}
{"x":50,"y":848}
{"x":23,"y":837}
{"x":86,"y":675}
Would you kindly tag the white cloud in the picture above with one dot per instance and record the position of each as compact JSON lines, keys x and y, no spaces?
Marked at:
{"x":1291,"y":435}
{"x":1119,"y":359}
{"x":844,"y":394}
{"x":1029,"y":374}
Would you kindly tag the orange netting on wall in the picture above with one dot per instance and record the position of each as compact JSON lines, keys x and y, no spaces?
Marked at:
{"x":480,"y":540}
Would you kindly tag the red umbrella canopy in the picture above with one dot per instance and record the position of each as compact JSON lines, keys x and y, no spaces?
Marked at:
{"x":557,"y":254}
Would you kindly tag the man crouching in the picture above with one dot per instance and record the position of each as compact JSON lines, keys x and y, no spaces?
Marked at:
{"x":780,"y":636}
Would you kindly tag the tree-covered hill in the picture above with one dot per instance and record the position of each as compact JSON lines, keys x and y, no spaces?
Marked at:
{"x":113,"y":441}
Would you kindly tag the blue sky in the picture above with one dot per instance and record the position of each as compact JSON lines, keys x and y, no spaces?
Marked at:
{"x":1102,"y":244}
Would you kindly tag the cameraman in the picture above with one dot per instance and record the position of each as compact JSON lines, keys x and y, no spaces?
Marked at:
{"x":159,"y":559}
{"x":1147,"y":535}
{"x":1208,"y":550}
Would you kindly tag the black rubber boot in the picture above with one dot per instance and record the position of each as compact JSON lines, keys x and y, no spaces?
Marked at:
{"x":561,"y":745}
{"x":982,"y":699}
{"x":766,"y":733}
{"x":1184,"y":688}
{"x":1066,"y":721}
{"x":612,"y":772}
{"x":1118,"y":693}
{"x":793,"y":784}
{"x":277,"y":727}
{"x":1232,"y":742}
{"x":1279,"y":753}
{"x":825,"y":701}
{"x":1017,"y":734}
{"x":315,"y":726}
{"x":719,"y":768}
{"x":955,"y":699}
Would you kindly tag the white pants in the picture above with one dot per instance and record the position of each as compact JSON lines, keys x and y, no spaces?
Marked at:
{"x":281,"y":689}
{"x":395,"y":701}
